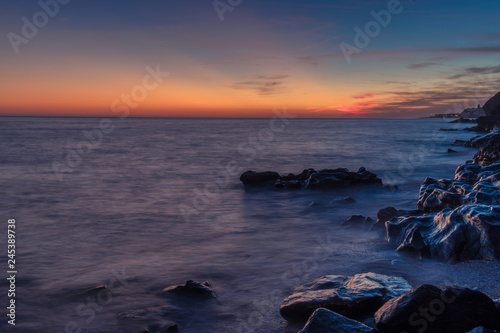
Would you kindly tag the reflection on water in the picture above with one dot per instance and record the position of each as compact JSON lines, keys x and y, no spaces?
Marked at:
{"x":118,"y":211}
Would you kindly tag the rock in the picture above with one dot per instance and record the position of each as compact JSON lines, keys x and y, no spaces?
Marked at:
{"x":259,"y":178}
{"x":326,"y":321}
{"x":358,"y":220}
{"x":350,"y":296}
{"x":448,"y":129}
{"x":389,"y":213}
{"x":312,"y":179}
{"x":456,"y":219}
{"x":432,"y":310}
{"x":488,"y":148}
{"x":192,"y":288}
{"x":459,"y":142}
{"x":491,"y":120}
{"x":345,"y":200}
{"x":466,"y":233}
{"x":451,"y":150}
{"x":492,"y":106}
{"x":462,"y":121}
{"x":335,"y":178}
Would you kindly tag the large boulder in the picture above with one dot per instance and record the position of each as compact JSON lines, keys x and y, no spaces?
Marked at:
{"x":429,"y":309}
{"x":459,"y":219}
{"x":465,"y":233}
{"x":312,"y":179}
{"x":488,"y":148}
{"x":350,"y":296}
{"x":326,"y":321}
{"x":259,"y":178}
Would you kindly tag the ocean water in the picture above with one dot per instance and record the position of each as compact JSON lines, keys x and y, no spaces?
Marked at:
{"x":156,"y":202}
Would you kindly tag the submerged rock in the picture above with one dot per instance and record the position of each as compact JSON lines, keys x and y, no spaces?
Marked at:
{"x":350,"y":296}
{"x":326,"y":321}
{"x":311,"y":179}
{"x":203,"y":289}
{"x":428,"y":309}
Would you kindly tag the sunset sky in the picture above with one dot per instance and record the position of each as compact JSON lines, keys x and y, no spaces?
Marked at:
{"x":432,"y":57}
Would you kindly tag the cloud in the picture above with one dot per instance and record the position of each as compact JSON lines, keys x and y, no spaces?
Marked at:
{"x":470,"y":71}
{"x":263,"y":84}
{"x":408,"y":54}
{"x":422,"y":65}
{"x":365,"y":96}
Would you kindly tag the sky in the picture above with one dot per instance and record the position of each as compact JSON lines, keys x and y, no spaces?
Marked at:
{"x":242,"y":58}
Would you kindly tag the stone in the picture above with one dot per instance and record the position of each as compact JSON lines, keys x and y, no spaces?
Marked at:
{"x":326,"y":321}
{"x":358,"y":220}
{"x":429,"y":309}
{"x":192,"y":288}
{"x":259,"y":178}
{"x":350,"y":296}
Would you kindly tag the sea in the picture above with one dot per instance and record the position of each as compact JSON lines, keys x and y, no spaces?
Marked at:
{"x":110,"y":211}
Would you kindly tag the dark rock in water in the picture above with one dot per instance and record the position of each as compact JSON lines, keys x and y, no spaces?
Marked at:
{"x":350,"y":296}
{"x":312,"y":179}
{"x":345,"y":200}
{"x":451,"y":150}
{"x":488,"y":148}
{"x":448,"y":129}
{"x":388,"y":213}
{"x":335,"y":178}
{"x":459,"y":142}
{"x":259,"y":178}
{"x":326,"y":321}
{"x":289,"y":184}
{"x":462,"y":120}
{"x":358,"y":220}
{"x":428,"y":309}
{"x":203,"y":289}
{"x":168,"y":328}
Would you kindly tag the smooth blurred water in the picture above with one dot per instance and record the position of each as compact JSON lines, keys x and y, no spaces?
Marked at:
{"x":118,"y":209}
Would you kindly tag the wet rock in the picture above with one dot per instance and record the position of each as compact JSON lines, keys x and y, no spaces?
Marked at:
{"x":259,"y":178}
{"x":451,"y":150}
{"x":348,"y":200}
{"x":388,"y":213}
{"x":488,"y":148}
{"x":334,"y":178}
{"x":448,"y":129}
{"x":459,"y":143}
{"x":192,"y":288}
{"x":465,"y":233}
{"x":326,"y":321}
{"x":462,"y":121}
{"x":428,"y":309}
{"x":358,"y":220}
{"x":350,"y":296}
{"x":312,"y":179}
